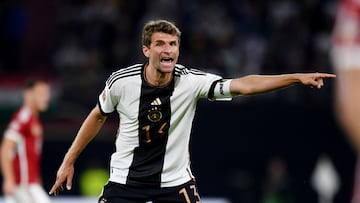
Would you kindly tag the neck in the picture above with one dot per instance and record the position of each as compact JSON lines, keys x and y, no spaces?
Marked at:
{"x":156,"y":78}
{"x":31,"y":108}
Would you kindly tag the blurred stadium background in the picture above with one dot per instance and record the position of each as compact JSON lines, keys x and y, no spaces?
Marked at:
{"x":92,"y":199}
{"x":237,"y":148}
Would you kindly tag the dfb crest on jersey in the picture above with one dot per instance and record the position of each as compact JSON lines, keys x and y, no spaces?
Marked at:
{"x":155,"y":114}
{"x":103,"y":200}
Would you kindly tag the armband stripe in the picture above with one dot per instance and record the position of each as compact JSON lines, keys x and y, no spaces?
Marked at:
{"x":212,"y":89}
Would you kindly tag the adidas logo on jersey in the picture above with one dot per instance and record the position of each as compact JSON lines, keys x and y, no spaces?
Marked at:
{"x":155,"y":114}
{"x":156,"y":102}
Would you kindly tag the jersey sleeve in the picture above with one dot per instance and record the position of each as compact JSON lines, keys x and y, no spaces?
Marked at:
{"x":17,"y":126}
{"x":107,"y":102}
{"x":220,"y":90}
{"x":214,"y":87}
{"x":13,"y":132}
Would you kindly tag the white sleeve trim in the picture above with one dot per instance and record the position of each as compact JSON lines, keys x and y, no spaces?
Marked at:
{"x":105,"y":103}
{"x":13,"y":135}
{"x":346,"y":57}
{"x":222,"y":91}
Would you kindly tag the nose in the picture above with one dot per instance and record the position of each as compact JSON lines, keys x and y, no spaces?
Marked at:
{"x":167,"y":48}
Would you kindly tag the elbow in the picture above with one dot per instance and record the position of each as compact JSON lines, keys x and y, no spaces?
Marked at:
{"x":97,"y":115}
{"x":101,"y":119}
{"x":243,"y":86}
{"x":246,"y":90}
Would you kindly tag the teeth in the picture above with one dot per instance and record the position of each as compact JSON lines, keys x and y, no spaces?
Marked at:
{"x":166,"y":59}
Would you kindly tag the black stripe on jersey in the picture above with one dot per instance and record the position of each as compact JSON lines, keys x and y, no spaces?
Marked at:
{"x":179,"y":73}
{"x":154,"y":123}
{"x":212,"y":89}
{"x":124,"y":76}
{"x":181,"y":70}
{"x":129,"y":68}
{"x":197,"y":72}
{"x":130,"y":71}
{"x":124,"y":70}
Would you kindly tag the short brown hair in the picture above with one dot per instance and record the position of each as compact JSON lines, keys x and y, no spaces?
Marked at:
{"x":158,"y":26}
{"x":32,"y":82}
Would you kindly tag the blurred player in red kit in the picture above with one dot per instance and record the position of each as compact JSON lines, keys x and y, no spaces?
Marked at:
{"x":21,"y":147}
{"x":346,"y":59}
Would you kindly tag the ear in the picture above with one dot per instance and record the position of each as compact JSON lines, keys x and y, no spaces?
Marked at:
{"x":146,"y":51}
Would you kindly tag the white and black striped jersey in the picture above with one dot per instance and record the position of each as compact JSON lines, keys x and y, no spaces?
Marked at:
{"x":152,"y":145}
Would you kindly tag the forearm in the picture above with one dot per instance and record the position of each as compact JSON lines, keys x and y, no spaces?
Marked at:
{"x":8,"y":184}
{"x":6,"y":160}
{"x":7,"y":168}
{"x":254,"y":84}
{"x":86,"y":133}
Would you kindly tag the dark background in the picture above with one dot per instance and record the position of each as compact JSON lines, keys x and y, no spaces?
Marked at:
{"x":77,"y":44}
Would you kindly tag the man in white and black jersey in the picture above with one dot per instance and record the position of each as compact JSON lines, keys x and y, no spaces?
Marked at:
{"x":156,"y":103}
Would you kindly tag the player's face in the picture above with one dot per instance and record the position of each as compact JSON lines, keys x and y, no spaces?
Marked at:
{"x":163,"y":52}
{"x":41,"y":96}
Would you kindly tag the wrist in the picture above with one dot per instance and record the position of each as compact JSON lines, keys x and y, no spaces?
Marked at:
{"x":70,"y":159}
{"x":296,"y":77}
{"x":9,"y":180}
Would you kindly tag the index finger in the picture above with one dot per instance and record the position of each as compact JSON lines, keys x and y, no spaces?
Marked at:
{"x":326,"y":75}
{"x":56,"y":187}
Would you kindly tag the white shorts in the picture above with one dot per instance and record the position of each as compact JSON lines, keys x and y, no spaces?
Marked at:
{"x":346,"y":57}
{"x":32,"y":193}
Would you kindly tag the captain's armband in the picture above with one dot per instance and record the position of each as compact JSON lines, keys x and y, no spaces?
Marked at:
{"x":220,"y":91}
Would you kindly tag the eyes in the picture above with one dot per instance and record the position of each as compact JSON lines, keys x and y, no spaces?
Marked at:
{"x":162,"y":43}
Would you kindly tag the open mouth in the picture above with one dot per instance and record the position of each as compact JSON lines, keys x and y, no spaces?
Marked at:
{"x":167,"y":60}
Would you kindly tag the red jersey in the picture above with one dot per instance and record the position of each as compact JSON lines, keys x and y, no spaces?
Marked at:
{"x":347,"y":25}
{"x":26,"y":130}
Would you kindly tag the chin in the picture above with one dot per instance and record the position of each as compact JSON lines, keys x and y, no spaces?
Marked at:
{"x":43,"y":108}
{"x":167,"y":69}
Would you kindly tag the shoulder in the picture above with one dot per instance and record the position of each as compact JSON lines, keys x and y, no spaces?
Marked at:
{"x":20,"y":118}
{"x":123,"y":73}
{"x":23,"y":115}
{"x":181,"y":70}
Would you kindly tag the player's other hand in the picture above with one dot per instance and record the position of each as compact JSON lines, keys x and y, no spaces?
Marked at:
{"x":314,"y":79}
{"x":65,"y":174}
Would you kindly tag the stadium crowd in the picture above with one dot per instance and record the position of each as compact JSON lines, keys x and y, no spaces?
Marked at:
{"x":81,"y":42}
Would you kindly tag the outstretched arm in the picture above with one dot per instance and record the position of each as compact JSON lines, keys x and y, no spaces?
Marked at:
{"x":254,"y":84}
{"x":87,"y":132}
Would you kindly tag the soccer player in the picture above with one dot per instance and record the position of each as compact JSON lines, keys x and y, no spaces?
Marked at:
{"x":346,"y":58}
{"x":156,"y":103}
{"x":21,"y":147}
